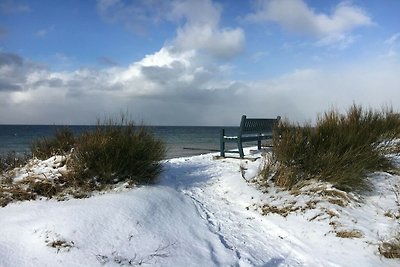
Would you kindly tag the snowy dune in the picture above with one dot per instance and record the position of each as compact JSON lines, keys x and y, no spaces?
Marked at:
{"x":203,"y":212}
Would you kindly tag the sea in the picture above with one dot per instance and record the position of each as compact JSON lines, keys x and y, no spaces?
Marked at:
{"x":181,"y":141}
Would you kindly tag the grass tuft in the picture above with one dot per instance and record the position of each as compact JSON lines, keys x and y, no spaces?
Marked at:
{"x":349,"y":234}
{"x":12,"y":160}
{"x":391,"y":248}
{"x":60,"y":144}
{"x":116,"y":152}
{"x":340,"y":149}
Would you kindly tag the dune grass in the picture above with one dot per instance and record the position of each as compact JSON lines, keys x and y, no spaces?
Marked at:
{"x":12,"y":160}
{"x":115,"y":151}
{"x":341,"y":148}
{"x":391,"y":247}
{"x":60,"y":144}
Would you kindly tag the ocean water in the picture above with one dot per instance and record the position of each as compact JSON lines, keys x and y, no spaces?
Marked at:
{"x":180,"y":140}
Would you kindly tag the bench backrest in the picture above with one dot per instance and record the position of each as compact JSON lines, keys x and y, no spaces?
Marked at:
{"x":256,"y":126}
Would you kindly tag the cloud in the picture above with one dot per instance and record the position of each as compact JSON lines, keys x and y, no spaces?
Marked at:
{"x":202,"y":30}
{"x":186,"y":82}
{"x":181,"y":88}
{"x":152,"y":87}
{"x":303,"y":94}
{"x":221,"y":43}
{"x":338,"y":41}
{"x":62,"y":61}
{"x":296,"y":16}
{"x":10,"y":59}
{"x":12,"y":71}
{"x":199,"y":23}
{"x":12,"y":7}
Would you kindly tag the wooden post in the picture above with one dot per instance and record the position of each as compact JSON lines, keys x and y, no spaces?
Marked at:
{"x":222,"y":143}
{"x":240,"y":147}
{"x":239,"y":141}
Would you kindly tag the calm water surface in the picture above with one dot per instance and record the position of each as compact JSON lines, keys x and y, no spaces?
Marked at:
{"x":180,"y":140}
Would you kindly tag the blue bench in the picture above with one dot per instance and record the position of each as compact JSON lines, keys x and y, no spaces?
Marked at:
{"x":250,"y":130}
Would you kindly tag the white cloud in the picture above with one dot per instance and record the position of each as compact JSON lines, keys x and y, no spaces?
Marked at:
{"x":165,"y":58}
{"x":302,"y":94}
{"x":221,"y":43}
{"x":159,"y":84}
{"x":339,"y":41}
{"x":199,"y":23}
{"x":202,"y":30}
{"x":296,"y":16}
{"x":170,"y":88}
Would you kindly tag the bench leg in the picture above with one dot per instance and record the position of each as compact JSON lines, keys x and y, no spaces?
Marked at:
{"x":222,"y":143}
{"x":240,"y":148}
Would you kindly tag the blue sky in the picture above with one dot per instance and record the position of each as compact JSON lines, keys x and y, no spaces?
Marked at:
{"x":195,"y":62}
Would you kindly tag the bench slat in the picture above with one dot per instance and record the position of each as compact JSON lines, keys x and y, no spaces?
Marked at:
{"x":250,"y":130}
{"x":258,"y":125}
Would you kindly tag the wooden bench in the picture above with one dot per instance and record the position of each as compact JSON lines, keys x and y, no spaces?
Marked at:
{"x":250,"y":130}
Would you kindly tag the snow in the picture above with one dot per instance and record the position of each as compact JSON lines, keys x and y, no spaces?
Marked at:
{"x":203,"y":212}
{"x":42,"y":169}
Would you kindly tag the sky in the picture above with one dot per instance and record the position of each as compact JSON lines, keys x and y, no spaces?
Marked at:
{"x":195,"y":62}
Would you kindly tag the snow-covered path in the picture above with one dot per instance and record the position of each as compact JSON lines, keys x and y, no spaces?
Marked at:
{"x":221,"y":196}
{"x":200,"y":214}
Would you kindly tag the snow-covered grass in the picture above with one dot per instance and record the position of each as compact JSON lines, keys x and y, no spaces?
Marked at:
{"x":113,"y":151}
{"x":203,"y":212}
{"x":391,"y":248}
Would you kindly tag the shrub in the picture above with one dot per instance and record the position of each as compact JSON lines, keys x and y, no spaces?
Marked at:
{"x":116,"y":152}
{"x":340,"y":149}
{"x":111,"y":153}
{"x":61,"y":144}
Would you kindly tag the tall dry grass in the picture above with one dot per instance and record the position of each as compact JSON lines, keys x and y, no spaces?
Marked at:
{"x":115,"y":152}
{"x":12,"y":160}
{"x":391,"y":247}
{"x":60,"y":144}
{"x":341,"y":148}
